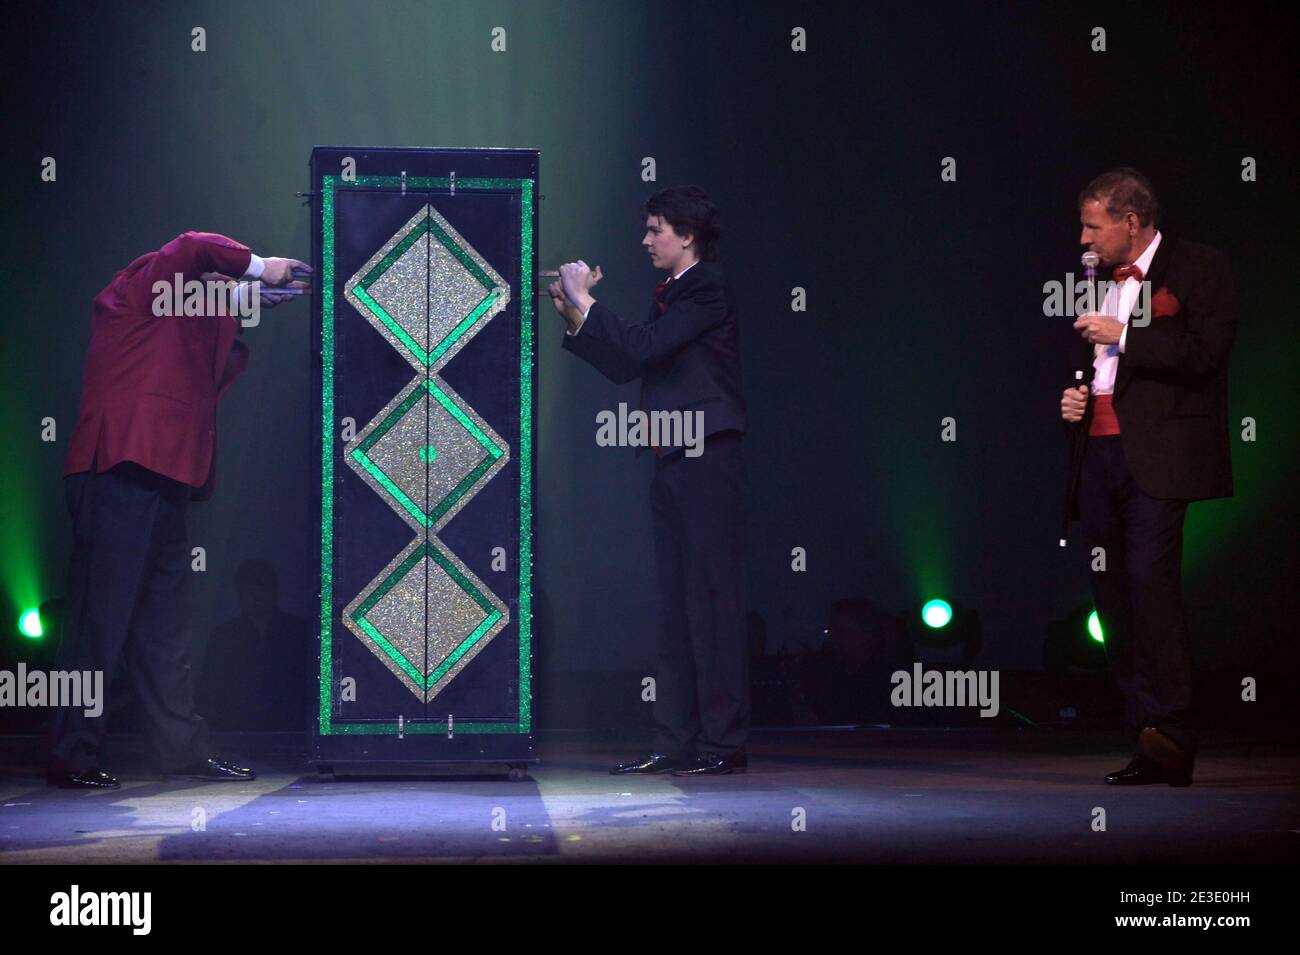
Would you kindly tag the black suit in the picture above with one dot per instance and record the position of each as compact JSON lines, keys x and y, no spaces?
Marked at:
{"x":1131,"y":490}
{"x":691,"y":361}
{"x":688,"y":359}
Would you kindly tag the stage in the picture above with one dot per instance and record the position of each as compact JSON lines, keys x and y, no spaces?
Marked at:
{"x":866,"y":795}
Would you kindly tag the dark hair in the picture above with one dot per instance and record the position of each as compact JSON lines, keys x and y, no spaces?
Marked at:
{"x":1123,"y":190}
{"x":690,"y":211}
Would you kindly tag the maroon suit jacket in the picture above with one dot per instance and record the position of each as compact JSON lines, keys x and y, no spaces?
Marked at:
{"x":151,"y":384}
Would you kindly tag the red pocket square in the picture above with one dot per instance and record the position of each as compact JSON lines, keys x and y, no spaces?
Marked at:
{"x":1165,"y":303}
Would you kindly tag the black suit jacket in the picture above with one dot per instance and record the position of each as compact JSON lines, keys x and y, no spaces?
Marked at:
{"x":1171,"y":385}
{"x":688,"y":358}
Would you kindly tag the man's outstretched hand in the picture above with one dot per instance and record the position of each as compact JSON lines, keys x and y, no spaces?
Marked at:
{"x":577,"y":280}
{"x":572,"y":314}
{"x":278,"y":273}
{"x":270,"y":298}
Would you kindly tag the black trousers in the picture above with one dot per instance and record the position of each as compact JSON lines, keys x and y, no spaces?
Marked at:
{"x":1139,"y":595}
{"x":702,"y":659}
{"x":125,"y":608}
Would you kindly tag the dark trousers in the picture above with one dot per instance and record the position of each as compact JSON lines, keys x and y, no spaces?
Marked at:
{"x":124,"y":607}
{"x":1139,"y":595}
{"x":702,"y":660}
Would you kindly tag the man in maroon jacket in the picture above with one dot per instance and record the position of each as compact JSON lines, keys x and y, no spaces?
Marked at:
{"x":145,"y":445}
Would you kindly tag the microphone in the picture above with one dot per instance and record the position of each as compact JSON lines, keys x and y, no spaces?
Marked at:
{"x":1090,"y":262}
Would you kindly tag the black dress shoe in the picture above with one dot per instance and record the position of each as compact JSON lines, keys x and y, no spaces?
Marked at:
{"x":215,"y":770}
{"x":651,"y":765}
{"x":84,"y":779}
{"x":714,"y":764}
{"x":1142,"y":771}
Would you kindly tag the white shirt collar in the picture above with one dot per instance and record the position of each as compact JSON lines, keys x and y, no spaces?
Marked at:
{"x":697,"y":262}
{"x":1149,"y":254}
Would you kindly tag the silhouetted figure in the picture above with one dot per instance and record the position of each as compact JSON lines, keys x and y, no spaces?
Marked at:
{"x":847,"y":678}
{"x":258,"y":673}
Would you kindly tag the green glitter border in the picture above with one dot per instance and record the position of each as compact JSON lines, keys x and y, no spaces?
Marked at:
{"x":526,"y":268}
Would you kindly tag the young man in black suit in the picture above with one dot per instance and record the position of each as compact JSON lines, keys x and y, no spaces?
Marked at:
{"x":687,"y":355}
{"x":1155,"y":420}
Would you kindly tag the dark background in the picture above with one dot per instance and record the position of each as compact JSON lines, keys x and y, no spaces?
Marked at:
{"x":924,"y":297}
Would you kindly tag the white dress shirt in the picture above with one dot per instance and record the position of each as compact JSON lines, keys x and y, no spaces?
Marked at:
{"x":244,"y":291}
{"x":1120,"y":299}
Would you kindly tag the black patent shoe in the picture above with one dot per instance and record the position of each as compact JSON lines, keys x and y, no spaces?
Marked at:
{"x":651,"y":765}
{"x":215,"y":770}
{"x":84,"y":779}
{"x":1144,"y":772}
{"x":714,"y":764}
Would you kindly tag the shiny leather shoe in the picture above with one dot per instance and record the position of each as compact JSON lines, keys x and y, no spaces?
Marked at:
{"x":651,"y":765}
{"x":1175,"y":761}
{"x":85,"y":779}
{"x":1141,"y":771}
{"x":216,"y":770}
{"x":714,"y":764}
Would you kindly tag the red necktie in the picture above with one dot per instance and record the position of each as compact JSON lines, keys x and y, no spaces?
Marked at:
{"x":1126,"y":271}
{"x":661,"y":290}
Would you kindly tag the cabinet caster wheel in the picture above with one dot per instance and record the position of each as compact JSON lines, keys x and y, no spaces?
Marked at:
{"x":518,"y":774}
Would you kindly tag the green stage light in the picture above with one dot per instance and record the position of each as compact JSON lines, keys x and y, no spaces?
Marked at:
{"x":936,"y":613}
{"x":1094,"y":627}
{"x":30,"y":624}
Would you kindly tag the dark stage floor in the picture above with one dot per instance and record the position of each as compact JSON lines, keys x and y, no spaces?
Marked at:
{"x":889,"y":796}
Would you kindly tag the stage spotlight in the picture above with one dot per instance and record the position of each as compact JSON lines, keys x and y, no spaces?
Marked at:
{"x":37,"y":635}
{"x":944,"y":633}
{"x":1074,"y":660}
{"x":29,"y":624}
{"x":936,"y":613}
{"x":1094,"y":627}
{"x":1076,"y":640}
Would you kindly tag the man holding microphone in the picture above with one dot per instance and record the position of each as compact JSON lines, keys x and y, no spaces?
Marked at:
{"x":1155,"y":422}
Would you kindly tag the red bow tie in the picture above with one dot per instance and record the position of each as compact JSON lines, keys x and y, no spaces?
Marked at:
{"x":1126,"y":271}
